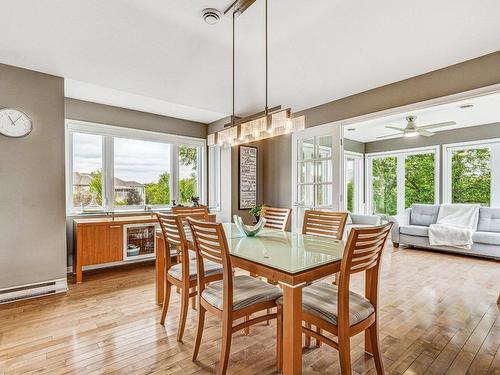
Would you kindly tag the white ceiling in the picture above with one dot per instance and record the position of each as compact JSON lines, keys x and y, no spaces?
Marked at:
{"x":485,"y":110}
{"x":162,"y":53}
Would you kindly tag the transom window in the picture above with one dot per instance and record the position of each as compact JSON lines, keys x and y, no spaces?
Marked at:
{"x":111,"y":168}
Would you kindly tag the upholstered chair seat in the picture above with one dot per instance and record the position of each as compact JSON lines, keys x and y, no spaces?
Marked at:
{"x":247,"y":291}
{"x":320,"y":299}
{"x":211,"y":268}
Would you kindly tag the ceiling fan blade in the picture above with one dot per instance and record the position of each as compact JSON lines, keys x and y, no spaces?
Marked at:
{"x":425,"y":133}
{"x":394,"y":128}
{"x":386,"y":136}
{"x":441,"y":124}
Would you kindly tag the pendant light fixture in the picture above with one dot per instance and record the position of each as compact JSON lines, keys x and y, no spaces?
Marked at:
{"x":268,"y":123}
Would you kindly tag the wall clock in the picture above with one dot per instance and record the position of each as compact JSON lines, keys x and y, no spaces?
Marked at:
{"x":14,"y":123}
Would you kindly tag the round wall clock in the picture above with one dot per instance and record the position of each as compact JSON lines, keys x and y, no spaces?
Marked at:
{"x":14,"y":123}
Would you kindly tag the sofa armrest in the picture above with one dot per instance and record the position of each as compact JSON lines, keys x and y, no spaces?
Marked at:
{"x":397,"y":221}
{"x":365,"y":219}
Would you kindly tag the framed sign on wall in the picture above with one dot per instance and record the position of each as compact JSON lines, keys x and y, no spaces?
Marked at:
{"x":247,"y":177}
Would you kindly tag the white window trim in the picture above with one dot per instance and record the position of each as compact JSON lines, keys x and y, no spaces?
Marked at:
{"x":358,"y":204}
{"x":110,"y":131}
{"x":401,"y":155}
{"x":216,"y":184}
{"x":494,"y":146}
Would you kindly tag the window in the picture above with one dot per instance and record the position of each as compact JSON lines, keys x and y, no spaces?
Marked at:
{"x":384,"y":185}
{"x":141,"y":173}
{"x":124,"y":169}
{"x":315,"y":187}
{"x":399,"y":179}
{"x":214,"y":166}
{"x":87,"y":171}
{"x":353,"y":189}
{"x":420,"y":179}
{"x":472,"y":173}
{"x":188,"y":176}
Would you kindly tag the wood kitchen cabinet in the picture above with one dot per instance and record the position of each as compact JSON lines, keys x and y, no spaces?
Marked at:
{"x":101,"y":240}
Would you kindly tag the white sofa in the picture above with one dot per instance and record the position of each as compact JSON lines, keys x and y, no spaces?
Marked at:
{"x":360,"y":221}
{"x":412,"y":229}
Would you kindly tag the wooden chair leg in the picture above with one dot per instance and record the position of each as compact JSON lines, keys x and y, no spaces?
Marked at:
{"x":345,"y":355}
{"x":268,"y":311}
{"x":375,"y":347}
{"x":183,"y":312}
{"x":318,"y":331}
{"x":246,"y":330}
{"x":193,"y":299}
{"x":225,"y":347}
{"x":279,"y":338}
{"x":307,"y":337}
{"x":199,"y":331}
{"x":166,"y":300}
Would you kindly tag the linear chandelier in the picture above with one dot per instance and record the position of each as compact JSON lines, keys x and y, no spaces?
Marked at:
{"x":266,"y":124}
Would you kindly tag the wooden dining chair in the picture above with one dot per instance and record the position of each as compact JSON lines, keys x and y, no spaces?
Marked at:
{"x":232,"y":298}
{"x":324,"y":223}
{"x":277,"y":218}
{"x":341,"y":312}
{"x":182,"y":275}
{"x":195,"y":212}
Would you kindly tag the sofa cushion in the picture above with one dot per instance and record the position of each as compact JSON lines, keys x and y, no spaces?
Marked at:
{"x":414,"y":230}
{"x":349,"y":218}
{"x":490,"y":238}
{"x":489,"y":219}
{"x":424,"y":214}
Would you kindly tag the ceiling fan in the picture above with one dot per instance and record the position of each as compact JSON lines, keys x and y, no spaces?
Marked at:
{"x":412,"y":130}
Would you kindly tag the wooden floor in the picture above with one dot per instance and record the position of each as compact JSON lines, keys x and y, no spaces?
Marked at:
{"x":439,"y":315}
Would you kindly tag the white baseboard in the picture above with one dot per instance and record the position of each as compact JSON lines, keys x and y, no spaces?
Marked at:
{"x":28,"y":291}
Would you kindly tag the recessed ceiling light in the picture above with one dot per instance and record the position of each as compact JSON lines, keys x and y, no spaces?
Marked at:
{"x":466,"y":106}
{"x":211,"y":16}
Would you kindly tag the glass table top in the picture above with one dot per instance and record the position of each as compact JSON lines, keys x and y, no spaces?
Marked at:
{"x":285,"y":251}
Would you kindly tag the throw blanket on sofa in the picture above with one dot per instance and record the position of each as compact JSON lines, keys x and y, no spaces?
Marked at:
{"x":455,"y":225}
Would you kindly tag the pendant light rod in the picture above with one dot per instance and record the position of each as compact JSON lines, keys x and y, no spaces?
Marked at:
{"x":267,"y":70}
{"x":232,"y":117}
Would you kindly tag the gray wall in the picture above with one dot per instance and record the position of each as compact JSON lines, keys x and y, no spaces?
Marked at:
{"x":354,"y":146}
{"x":105,"y":114}
{"x":109,"y":115}
{"x":32,"y":201}
{"x":473,"y":133}
{"x":468,"y":75}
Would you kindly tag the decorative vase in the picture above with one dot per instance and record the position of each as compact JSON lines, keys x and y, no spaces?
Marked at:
{"x":249,"y":230}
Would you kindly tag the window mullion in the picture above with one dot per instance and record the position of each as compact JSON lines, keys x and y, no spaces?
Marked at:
{"x":400,"y":183}
{"x":174,"y":183}
{"x":108,"y":173}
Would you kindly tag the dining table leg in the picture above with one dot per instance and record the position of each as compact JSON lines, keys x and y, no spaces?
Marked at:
{"x":160,"y":270}
{"x":292,"y":329}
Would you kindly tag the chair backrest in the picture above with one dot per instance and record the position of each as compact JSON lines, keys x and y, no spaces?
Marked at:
{"x":363,"y":252}
{"x":277,"y":218}
{"x":173,"y":234}
{"x":211,"y":244}
{"x":324,"y":223}
{"x":195,"y":212}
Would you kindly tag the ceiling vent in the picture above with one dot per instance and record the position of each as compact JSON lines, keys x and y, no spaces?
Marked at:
{"x":211,"y":16}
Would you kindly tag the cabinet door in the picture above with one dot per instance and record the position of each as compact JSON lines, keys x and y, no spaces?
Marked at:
{"x":101,"y":244}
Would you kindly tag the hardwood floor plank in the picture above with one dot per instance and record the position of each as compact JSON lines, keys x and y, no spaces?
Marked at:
{"x":110,"y":325}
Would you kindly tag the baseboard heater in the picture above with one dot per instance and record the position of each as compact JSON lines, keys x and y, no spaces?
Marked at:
{"x":19,"y":293}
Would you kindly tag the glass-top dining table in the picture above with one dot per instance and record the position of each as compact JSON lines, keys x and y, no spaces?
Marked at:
{"x":291,"y":259}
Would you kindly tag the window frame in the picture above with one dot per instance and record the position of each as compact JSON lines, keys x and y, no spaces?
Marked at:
{"x":214,"y":177}
{"x":494,"y":146}
{"x":400,"y":156}
{"x":109,"y":132}
{"x":358,"y":180}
